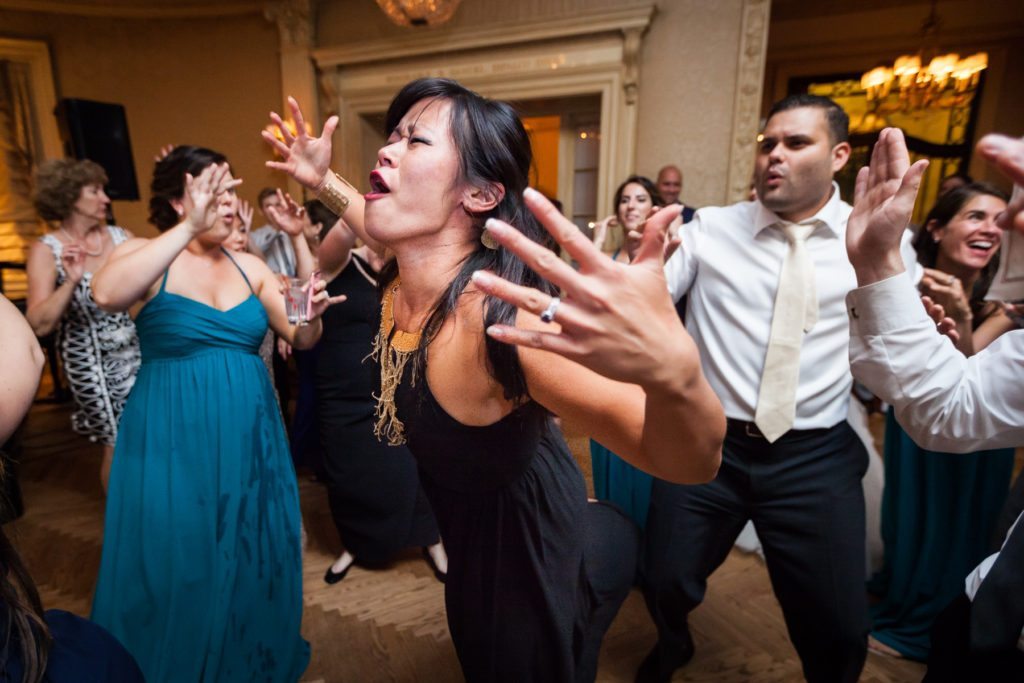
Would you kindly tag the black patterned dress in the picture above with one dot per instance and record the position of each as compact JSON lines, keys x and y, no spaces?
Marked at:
{"x":99,"y":351}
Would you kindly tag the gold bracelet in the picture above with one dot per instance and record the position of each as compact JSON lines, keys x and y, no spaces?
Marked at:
{"x":330,"y":194}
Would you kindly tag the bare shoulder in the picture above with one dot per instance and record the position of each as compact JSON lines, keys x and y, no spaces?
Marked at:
{"x":39,"y":252}
{"x":253,"y":266}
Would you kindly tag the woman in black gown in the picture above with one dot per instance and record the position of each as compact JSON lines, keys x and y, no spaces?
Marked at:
{"x":535,"y":573}
{"x":372,"y":488}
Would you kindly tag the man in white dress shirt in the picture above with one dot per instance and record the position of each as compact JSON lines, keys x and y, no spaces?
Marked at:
{"x":766,"y":282}
{"x":944,"y":401}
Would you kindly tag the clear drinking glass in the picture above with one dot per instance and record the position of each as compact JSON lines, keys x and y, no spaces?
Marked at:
{"x":296,"y":301}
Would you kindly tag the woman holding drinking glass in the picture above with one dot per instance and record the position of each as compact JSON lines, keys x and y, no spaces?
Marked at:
{"x":201,"y":574}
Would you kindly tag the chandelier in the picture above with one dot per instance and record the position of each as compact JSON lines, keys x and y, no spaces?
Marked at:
{"x":419,"y":12}
{"x":945,"y":79}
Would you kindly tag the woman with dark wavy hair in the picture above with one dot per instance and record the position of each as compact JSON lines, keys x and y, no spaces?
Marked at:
{"x":201,"y":574}
{"x":99,"y":350}
{"x":469,"y":308}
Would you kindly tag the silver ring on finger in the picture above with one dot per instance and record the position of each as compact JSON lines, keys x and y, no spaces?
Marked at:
{"x":548,"y":314}
{"x":952,"y":279}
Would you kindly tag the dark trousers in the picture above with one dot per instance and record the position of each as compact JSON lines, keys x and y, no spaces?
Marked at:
{"x":951,"y":661}
{"x":804,"y":496}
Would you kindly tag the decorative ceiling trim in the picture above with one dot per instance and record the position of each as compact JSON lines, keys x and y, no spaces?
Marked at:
{"x":631,"y":19}
{"x":143,"y":10}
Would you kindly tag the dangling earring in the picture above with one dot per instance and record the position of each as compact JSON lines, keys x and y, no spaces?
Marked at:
{"x":487,"y":239}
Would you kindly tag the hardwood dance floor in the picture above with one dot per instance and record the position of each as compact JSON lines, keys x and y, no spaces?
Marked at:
{"x":389,"y":625}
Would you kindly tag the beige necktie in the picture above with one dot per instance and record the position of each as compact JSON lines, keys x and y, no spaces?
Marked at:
{"x":796,"y":312}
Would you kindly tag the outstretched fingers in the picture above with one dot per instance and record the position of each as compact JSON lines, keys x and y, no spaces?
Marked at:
{"x":279,"y":147}
{"x":300,"y":120}
{"x":537,"y":257}
{"x":525,"y":298}
{"x":564,"y":231}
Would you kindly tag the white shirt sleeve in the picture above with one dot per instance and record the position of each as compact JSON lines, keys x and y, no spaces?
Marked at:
{"x":910,"y":256}
{"x":681,"y":267}
{"x":945,"y":401}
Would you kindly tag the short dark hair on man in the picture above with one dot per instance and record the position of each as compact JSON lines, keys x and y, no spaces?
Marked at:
{"x":838,"y":121}
{"x":264,"y":193}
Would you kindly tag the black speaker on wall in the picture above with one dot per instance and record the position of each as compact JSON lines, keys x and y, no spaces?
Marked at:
{"x":99,"y":131}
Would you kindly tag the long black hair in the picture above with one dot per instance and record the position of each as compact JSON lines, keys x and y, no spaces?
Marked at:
{"x":169,"y":181}
{"x":493,"y":147}
{"x":946,"y":207}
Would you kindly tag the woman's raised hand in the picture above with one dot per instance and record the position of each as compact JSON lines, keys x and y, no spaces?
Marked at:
{"x":616,"y":319}
{"x":204,"y":191}
{"x":304,"y":158}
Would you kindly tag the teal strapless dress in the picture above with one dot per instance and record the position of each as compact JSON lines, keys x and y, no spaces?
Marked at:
{"x":201,"y":574}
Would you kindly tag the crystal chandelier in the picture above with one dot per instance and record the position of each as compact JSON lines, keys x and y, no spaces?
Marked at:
{"x":419,"y":12}
{"x":919,"y":85}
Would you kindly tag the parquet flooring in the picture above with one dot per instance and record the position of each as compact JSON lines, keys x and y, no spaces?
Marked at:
{"x":388,"y":624}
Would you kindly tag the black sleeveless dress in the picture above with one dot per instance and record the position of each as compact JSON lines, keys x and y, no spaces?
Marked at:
{"x":535,"y":573}
{"x":373,"y":488}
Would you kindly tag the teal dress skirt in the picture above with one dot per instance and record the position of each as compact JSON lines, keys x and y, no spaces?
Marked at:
{"x":938,"y":515}
{"x":617,"y":481}
{"x":201,"y":573}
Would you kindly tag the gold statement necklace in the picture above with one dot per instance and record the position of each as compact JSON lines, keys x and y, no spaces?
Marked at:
{"x":392,"y":349}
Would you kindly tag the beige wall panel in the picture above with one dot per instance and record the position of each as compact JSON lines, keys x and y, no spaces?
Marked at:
{"x":688,"y":74}
{"x":206,"y":81}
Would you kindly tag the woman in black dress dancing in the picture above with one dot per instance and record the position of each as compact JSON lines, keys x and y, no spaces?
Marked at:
{"x":373,"y":490}
{"x":535,"y":573}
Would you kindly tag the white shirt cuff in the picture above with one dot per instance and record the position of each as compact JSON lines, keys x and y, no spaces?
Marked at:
{"x":885,"y":306}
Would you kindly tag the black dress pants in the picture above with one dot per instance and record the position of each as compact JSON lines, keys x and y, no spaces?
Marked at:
{"x":804,"y":495}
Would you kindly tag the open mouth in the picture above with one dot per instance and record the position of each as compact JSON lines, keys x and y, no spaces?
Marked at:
{"x":981,"y":246}
{"x":377,"y":184}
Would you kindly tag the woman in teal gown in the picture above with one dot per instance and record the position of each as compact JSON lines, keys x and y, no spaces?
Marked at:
{"x":201,"y":573}
{"x":939,"y":509}
{"x":614,"y":478}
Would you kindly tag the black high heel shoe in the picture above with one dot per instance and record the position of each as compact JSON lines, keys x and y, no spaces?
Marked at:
{"x":332,"y":577}
{"x":438,"y":574}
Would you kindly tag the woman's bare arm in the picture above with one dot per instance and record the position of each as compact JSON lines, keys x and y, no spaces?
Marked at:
{"x":21,"y":362}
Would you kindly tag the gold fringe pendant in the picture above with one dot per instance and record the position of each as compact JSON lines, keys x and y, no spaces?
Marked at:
{"x":392,"y":352}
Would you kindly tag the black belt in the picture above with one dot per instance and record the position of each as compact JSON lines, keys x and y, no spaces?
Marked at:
{"x":751,"y":430}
